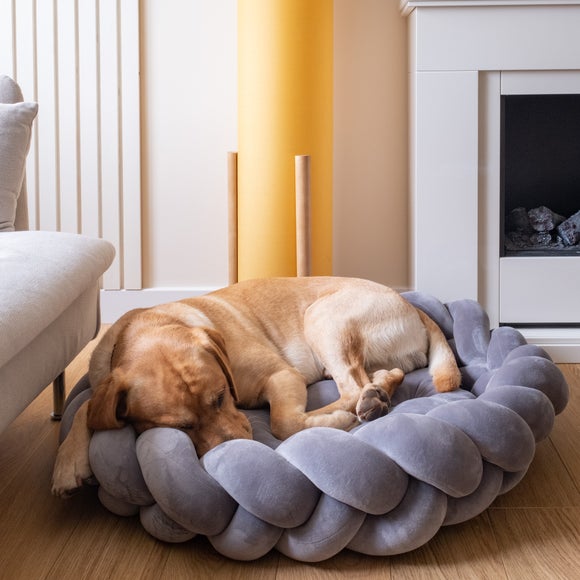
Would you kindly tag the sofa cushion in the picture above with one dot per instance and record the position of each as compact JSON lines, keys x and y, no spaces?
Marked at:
{"x":41,"y":274}
{"x":15,"y":130}
{"x":10,"y":92}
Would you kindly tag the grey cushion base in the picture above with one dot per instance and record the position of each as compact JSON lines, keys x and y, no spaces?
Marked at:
{"x":385,"y":488}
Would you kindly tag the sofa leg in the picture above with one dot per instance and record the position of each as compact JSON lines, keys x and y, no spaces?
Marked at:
{"x":58,"y":390}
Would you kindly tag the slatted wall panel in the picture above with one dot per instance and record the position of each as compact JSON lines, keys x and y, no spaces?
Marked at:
{"x":79,"y":59}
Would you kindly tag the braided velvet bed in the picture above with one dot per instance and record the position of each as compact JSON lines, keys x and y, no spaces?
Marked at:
{"x":383,"y":488}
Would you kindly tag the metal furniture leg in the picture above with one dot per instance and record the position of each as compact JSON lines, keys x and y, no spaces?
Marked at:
{"x":58,"y":390}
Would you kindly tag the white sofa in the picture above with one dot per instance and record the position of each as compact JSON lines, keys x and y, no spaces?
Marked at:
{"x":49,"y":281}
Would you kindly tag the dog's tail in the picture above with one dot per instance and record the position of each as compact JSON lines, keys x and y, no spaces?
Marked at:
{"x":442,"y":364}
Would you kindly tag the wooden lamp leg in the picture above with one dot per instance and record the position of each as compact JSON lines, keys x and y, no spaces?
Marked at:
{"x":303,"y":227}
{"x":232,"y":217}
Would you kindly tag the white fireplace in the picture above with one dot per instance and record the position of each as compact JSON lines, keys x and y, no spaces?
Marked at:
{"x":466,"y":58}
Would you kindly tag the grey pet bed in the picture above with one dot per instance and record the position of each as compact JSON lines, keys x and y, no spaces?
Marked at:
{"x":384,"y":488}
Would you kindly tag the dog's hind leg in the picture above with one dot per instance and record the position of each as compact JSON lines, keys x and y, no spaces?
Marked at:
{"x":369,"y":398}
{"x":347,"y":346}
{"x":344,"y":361}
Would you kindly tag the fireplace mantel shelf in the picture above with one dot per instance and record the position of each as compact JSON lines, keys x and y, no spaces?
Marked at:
{"x":408,"y":5}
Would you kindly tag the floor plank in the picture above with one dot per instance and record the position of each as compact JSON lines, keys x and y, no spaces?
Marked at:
{"x":345,"y":565}
{"x":35,"y":527}
{"x":465,"y":551}
{"x":566,"y":433}
{"x":21,"y":441}
{"x":198,"y":559}
{"x":538,"y":543}
{"x":547,"y":483}
{"x":107,"y":546}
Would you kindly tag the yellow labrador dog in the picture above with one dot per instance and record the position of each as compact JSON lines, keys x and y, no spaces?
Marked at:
{"x":190,"y":364}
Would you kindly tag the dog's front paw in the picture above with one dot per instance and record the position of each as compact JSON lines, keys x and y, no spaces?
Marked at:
{"x":373,"y":403}
{"x":70,"y":473}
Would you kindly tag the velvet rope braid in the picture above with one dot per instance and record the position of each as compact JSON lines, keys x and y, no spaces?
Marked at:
{"x":383,"y":488}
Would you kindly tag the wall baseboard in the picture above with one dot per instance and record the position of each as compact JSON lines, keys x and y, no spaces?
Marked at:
{"x":114,"y":303}
{"x":563,"y":345}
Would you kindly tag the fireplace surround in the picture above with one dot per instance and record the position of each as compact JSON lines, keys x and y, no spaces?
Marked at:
{"x":468,"y":59}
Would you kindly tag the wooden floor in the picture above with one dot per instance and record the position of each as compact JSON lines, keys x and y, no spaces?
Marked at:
{"x":533,"y":532}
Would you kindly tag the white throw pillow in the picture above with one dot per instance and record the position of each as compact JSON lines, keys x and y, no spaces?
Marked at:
{"x":15,"y":131}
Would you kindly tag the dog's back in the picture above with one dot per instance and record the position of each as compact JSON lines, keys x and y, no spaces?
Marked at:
{"x":305,"y":318}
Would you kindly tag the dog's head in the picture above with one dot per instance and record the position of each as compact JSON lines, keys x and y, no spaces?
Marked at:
{"x":153,"y":370}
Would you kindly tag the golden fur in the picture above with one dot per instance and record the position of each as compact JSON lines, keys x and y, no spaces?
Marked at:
{"x":191,"y":364}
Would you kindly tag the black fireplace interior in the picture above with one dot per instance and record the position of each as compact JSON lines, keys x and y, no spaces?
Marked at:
{"x":540,"y":174}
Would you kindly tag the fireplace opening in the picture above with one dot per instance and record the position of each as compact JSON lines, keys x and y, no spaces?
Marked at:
{"x":540,"y":175}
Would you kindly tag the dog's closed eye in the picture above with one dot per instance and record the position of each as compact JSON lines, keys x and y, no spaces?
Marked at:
{"x":219,"y":401}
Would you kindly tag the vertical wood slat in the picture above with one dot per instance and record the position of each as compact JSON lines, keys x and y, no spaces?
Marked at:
{"x":6,"y":37}
{"x":67,"y":123}
{"x":46,"y":121}
{"x":130,"y":133}
{"x":109,"y":127}
{"x":88,"y":116}
{"x":25,"y":73}
{"x":80,"y":60}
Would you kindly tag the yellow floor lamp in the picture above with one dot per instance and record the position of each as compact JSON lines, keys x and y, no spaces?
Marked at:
{"x":280,"y":181}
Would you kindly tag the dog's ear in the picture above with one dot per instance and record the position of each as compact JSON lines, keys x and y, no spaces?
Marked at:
{"x":107,"y":407}
{"x":100,"y":365}
{"x":215,"y":344}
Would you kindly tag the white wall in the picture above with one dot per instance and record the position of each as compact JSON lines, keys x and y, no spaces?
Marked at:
{"x":189,"y":111}
{"x":189,"y":122}
{"x":371,"y":141}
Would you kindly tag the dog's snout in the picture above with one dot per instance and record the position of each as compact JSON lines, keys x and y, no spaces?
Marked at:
{"x":236,"y":426}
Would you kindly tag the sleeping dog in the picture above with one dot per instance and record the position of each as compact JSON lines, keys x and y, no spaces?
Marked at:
{"x":190,"y":364}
